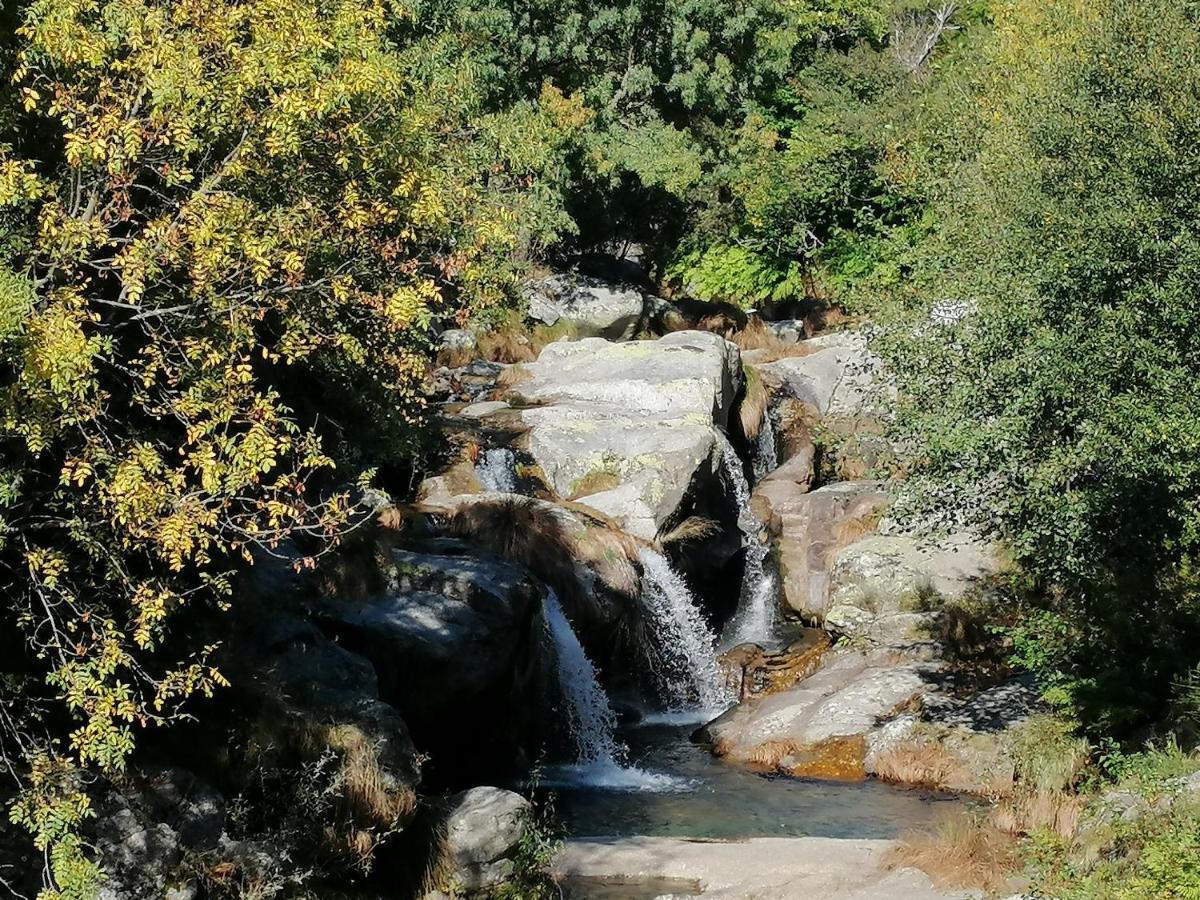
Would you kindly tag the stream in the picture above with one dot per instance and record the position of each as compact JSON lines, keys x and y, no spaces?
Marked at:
{"x":710,"y":799}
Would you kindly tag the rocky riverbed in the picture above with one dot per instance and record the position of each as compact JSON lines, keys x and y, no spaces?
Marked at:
{"x":654,"y":572}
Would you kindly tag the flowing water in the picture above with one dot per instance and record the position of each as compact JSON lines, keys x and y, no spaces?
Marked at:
{"x":497,"y":470}
{"x":690,"y":674}
{"x":599,"y":757}
{"x":755,"y":619}
{"x":725,"y":802}
{"x":765,"y":459}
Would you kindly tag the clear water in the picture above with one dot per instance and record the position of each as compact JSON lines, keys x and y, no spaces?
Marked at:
{"x":725,"y":802}
{"x":688,"y":670}
{"x":497,"y":470}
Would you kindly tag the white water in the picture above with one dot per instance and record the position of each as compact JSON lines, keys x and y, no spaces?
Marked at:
{"x":598,"y":754}
{"x":766,"y":457}
{"x":689,"y":671}
{"x":497,"y":471}
{"x":754,"y":620}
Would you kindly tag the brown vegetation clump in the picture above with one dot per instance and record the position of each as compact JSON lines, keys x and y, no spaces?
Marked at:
{"x":915,"y":763}
{"x":511,"y":376}
{"x":542,"y":538}
{"x":959,"y":853}
{"x":520,"y":529}
{"x":756,"y":400}
{"x":690,"y":530}
{"x":511,"y":341}
{"x":758,"y":335}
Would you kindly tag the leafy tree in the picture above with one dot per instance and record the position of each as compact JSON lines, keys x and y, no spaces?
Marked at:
{"x":670,"y":84}
{"x":238,"y":199}
{"x":1063,"y":409}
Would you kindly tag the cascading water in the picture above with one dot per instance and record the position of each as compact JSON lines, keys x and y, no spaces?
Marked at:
{"x":598,"y":754}
{"x":497,"y":471}
{"x":766,"y":458}
{"x":755,"y":617}
{"x":689,"y":670}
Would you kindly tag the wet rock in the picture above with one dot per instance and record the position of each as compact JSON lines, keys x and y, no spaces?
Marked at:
{"x":820,"y":727}
{"x":482,"y":829}
{"x":755,"y":672}
{"x":810,"y":529}
{"x":630,"y":429}
{"x":592,"y":308}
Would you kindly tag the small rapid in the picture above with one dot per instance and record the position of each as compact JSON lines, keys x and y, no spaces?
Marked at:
{"x":497,"y":471}
{"x":688,"y":671}
{"x":755,"y":619}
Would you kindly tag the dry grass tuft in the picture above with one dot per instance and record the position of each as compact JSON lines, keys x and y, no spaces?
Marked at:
{"x":539,"y":537}
{"x":756,"y":400}
{"x":915,"y":763}
{"x":392,"y":518}
{"x":356,"y":570}
{"x":1025,"y":813}
{"x":758,"y":335}
{"x":507,"y":344}
{"x":959,"y":853}
{"x":847,"y":531}
{"x":520,"y":529}
{"x":511,"y":376}
{"x":691,"y":529}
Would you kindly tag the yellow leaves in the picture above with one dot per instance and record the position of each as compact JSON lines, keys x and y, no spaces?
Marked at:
{"x":18,"y":181}
{"x":568,"y":112}
{"x":76,"y":471}
{"x":58,"y":370}
{"x":410,"y":303}
{"x":46,"y":565}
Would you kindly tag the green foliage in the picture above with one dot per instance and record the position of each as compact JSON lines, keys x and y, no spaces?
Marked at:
{"x":737,"y":275}
{"x":1062,"y":410}
{"x":541,"y":840}
{"x":234,"y":204}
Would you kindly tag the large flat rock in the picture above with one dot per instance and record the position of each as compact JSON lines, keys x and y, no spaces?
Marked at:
{"x":758,"y":869}
{"x":630,"y":429}
{"x":825,"y":725}
{"x":884,"y":588}
{"x":592,"y":308}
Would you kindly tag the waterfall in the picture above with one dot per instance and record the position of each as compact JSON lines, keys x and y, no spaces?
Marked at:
{"x":690,"y":673}
{"x":592,"y":721}
{"x":765,"y":458}
{"x":598,"y":754}
{"x":497,"y":471}
{"x":754,"y":620}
